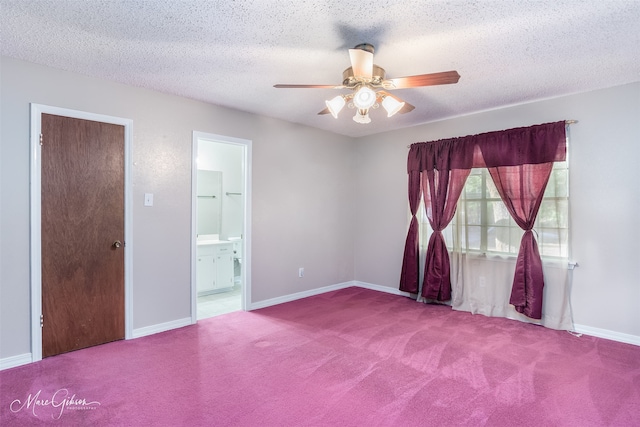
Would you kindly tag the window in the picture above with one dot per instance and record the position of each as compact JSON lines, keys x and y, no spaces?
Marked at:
{"x":487,"y":227}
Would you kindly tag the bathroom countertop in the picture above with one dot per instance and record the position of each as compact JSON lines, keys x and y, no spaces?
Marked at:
{"x":211,"y":242}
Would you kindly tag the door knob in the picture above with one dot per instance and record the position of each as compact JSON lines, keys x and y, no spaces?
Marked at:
{"x":117,"y":244}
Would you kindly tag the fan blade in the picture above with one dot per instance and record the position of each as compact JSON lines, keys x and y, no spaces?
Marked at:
{"x":287,"y":86}
{"x":325,"y":111}
{"x":407,"y":107}
{"x":444,"y":78}
{"x":361,"y":63}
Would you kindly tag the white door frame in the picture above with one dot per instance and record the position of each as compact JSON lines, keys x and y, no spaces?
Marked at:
{"x":246,"y":235}
{"x":36,"y":220}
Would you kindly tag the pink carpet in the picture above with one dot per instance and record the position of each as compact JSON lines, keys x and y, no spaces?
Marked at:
{"x":353,"y":357}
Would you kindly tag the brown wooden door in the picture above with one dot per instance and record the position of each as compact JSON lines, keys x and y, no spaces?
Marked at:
{"x":82,"y":216}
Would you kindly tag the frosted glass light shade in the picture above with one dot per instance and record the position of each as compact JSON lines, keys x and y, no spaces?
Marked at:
{"x":362,"y":116}
{"x":335,"y":105}
{"x":392,"y":105}
{"x":364,"y":98}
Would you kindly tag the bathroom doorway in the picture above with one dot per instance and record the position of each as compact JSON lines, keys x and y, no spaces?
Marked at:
{"x":220,"y":230}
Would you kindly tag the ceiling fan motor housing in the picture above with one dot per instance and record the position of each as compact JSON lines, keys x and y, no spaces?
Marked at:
{"x":350,"y":81}
{"x":365,"y":46}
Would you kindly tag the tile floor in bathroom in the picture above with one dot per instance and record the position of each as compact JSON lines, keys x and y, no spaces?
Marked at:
{"x":220,"y":303}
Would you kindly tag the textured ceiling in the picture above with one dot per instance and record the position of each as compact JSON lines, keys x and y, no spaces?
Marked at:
{"x":231,"y":53}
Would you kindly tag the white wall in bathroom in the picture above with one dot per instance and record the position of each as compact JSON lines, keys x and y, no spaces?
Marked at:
{"x":228,"y":159}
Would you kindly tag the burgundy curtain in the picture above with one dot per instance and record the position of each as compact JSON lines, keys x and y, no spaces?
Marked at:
{"x":441,"y":191}
{"x":441,"y":169}
{"x":410,"y":275}
{"x":520,"y":162}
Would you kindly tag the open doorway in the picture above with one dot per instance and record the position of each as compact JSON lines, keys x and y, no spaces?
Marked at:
{"x":220,"y":225}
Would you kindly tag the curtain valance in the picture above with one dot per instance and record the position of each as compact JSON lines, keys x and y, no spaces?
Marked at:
{"x":512,"y":147}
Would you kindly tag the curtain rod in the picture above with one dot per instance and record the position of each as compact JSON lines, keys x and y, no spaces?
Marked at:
{"x":567,"y":122}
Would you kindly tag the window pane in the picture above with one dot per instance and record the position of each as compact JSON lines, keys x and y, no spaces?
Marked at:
{"x":553,"y":213}
{"x":492,"y":191}
{"x":504,"y":239}
{"x":564,"y":243}
{"x":552,"y":242}
{"x":473,"y":187}
{"x":473,"y":238}
{"x":497,"y":214}
{"x":447,"y":233}
{"x":498,"y":239}
{"x":557,"y":185}
{"x":516,"y":237}
{"x":473,"y":211}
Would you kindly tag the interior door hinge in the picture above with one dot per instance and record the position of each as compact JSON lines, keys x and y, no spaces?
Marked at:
{"x":41,"y":321}
{"x":41,"y":139}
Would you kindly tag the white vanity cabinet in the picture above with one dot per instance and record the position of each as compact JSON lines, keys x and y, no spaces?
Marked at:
{"x":214,"y":268}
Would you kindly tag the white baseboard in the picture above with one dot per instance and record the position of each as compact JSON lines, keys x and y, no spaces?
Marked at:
{"x":607,"y":334}
{"x":319,"y":291}
{"x":161,"y":327}
{"x":298,"y":295}
{"x":381,"y":288}
{"x":14,"y":361}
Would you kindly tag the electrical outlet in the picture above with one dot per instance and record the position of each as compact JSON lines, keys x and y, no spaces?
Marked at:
{"x":301,"y":272}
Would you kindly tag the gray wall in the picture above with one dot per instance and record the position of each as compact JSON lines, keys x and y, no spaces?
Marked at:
{"x":302,"y":195}
{"x":604,"y":196}
{"x":332,"y":204}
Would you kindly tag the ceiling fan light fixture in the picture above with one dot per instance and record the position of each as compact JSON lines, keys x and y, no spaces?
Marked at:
{"x":392,"y":105}
{"x":335,"y":105}
{"x":362,"y":116}
{"x":367,"y":84}
{"x":364,"y":98}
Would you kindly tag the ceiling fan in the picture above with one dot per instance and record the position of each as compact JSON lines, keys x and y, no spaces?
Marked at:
{"x":369,"y":86}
